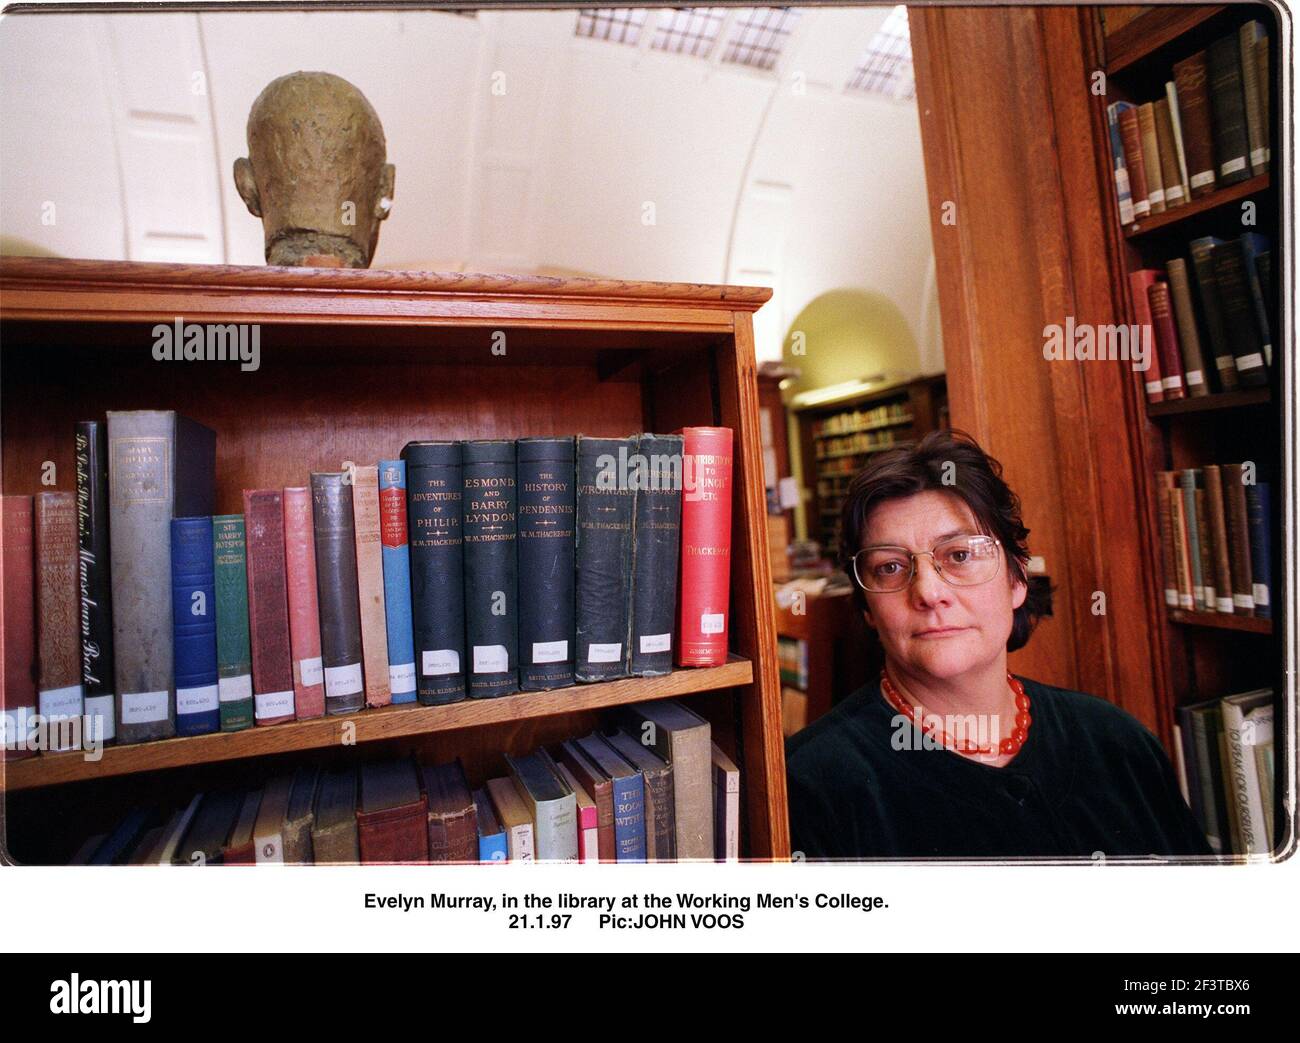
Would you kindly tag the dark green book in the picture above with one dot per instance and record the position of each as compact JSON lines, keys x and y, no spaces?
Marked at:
{"x":234,"y":658}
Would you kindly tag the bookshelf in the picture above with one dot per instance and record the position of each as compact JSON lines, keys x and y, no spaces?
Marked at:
{"x":837,"y":439}
{"x":353,"y":364}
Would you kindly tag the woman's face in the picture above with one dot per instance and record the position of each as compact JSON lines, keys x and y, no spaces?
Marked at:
{"x":931,"y":628}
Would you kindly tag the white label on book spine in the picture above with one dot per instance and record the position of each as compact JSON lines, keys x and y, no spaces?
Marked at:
{"x":1225,"y":362}
{"x":201,"y":699}
{"x":1156,"y":196}
{"x":491,"y":659}
{"x":343,"y":680}
{"x":401,"y":678}
{"x":101,"y":707}
{"x":144,"y":707}
{"x":1188,"y":602}
{"x":15,"y":727}
{"x":1258,"y":157}
{"x":606,"y":653}
{"x":1174,"y":192}
{"x":439,"y":661}
{"x":311,"y":671}
{"x":1224,"y":605}
{"x":550,"y":651}
{"x":713,"y":623}
{"x":1141,"y":207}
{"x":1172,"y":383}
{"x":1171,"y":598}
{"x":1252,"y":361}
{"x":1233,"y":165}
{"x":1205,"y":177}
{"x":656,"y":643}
{"x":60,"y":702}
{"x":1153,"y":387}
{"x":235,"y":689}
{"x":273,"y":704}
{"x":1195,"y":378}
{"x":1261,"y":595}
{"x":1243,"y":601}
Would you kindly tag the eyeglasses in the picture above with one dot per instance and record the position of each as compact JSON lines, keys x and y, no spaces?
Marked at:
{"x":962,"y":561}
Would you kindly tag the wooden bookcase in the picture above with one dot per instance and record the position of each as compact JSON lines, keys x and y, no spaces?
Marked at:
{"x":830,"y":458}
{"x":353,"y":365}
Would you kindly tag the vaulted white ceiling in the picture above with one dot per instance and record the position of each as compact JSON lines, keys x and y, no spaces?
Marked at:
{"x":519,"y":146}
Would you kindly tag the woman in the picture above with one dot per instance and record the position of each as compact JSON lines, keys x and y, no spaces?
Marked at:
{"x":948,"y":755}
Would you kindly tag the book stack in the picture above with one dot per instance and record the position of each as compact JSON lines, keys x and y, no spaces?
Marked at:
{"x":1216,"y":537}
{"x":463,"y":569}
{"x":1225,"y":767}
{"x":1208,"y":131}
{"x":1208,"y":316}
{"x":604,"y":797}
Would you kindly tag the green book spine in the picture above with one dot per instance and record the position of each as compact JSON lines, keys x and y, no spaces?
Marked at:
{"x":234,"y":658}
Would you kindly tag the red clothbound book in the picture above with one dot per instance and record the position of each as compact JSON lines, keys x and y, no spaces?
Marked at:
{"x":704,"y":585}
{"x":268,"y":607}
{"x":1171,"y":358}
{"x":18,"y":632}
{"x":304,"y":615}
{"x":1139,"y":282}
{"x":392,"y":815}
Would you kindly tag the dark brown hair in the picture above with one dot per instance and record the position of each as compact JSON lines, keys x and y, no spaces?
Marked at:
{"x":949,"y":462}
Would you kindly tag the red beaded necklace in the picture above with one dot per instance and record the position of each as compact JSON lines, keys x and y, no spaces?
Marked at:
{"x":1007,"y":747}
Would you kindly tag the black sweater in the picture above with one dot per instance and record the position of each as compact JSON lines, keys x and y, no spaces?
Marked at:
{"x":1089,"y":779}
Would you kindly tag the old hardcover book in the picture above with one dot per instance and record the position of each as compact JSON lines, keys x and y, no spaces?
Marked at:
{"x":1131,"y":136}
{"x":122,"y":839}
{"x":1119,"y":163}
{"x":588,"y":816}
{"x":175,"y":828}
{"x":705,"y":586}
{"x":234,"y":653}
{"x":370,"y":585}
{"x":435,"y":487}
{"x":18,"y":629}
{"x":336,"y":586}
{"x":1189,"y":338}
{"x":1253,"y":88}
{"x":656,"y":548}
{"x":239,"y":845}
{"x":304,"y":611}
{"x":1239,"y":315}
{"x":492,"y":843}
{"x":392,"y":817}
{"x":1205,"y":538}
{"x":1168,"y":546}
{"x":1234,"y":510}
{"x":726,"y":807}
{"x":1170,"y":172}
{"x":1245,"y":717}
{"x":1227,"y":102}
{"x":194,"y":627}
{"x":1254,"y":248}
{"x":657,"y":774}
{"x":1151,"y":157}
{"x":453,"y":820}
{"x":1178,"y":521}
{"x":551,"y":805}
{"x":1171,"y":360}
{"x":1262,"y":65}
{"x":684,"y":740}
{"x":601,"y":789}
{"x":396,"y":552}
{"x":1187,"y":485}
{"x":90,"y":453}
{"x":1202,"y":251}
{"x":268,"y":831}
{"x":1219,"y":537}
{"x":515,"y":819}
{"x":1259,"y":526}
{"x":603,"y":556}
{"x":1204,"y":722}
{"x":491,"y":568}
{"x":1191,"y":82}
{"x":160,"y":466}
{"x":205,"y":841}
{"x":546,"y":563}
{"x":627,"y":788}
{"x":334,"y":826}
{"x":268,"y":607}
{"x":1139,"y":282}
{"x":58,"y":629}
{"x":300,"y":817}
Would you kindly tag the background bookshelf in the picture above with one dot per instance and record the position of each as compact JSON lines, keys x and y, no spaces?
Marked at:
{"x":353,"y":365}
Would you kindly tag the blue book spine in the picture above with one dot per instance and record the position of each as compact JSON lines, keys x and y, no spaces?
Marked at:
{"x":1259,"y":525}
{"x":1252,"y":245}
{"x":629,"y":818}
{"x":1123,"y":192}
{"x":397,"y":579}
{"x":194,"y":627}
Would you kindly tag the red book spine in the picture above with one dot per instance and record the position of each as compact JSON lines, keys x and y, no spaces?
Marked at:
{"x":1171,"y":357}
{"x":304,"y":616}
{"x":1152,"y":380}
{"x":268,"y":607}
{"x":705,"y":586}
{"x":18,"y":632}
{"x":1131,"y":135}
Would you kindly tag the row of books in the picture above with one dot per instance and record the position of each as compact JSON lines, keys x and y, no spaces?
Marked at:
{"x":1224,"y":751}
{"x":474,"y":568}
{"x":792,"y":658}
{"x":853,"y":444}
{"x":604,"y":797}
{"x":854,"y":420}
{"x":1210,"y":130}
{"x":1218,"y":338}
{"x":1216,"y":538}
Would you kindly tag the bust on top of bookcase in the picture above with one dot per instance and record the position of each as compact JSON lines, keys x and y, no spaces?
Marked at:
{"x":353,"y":365}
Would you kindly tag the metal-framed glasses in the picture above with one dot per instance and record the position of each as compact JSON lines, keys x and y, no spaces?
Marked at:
{"x":962,"y":561}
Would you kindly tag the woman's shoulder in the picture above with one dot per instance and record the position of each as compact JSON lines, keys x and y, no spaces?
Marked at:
{"x":1086,"y":715}
{"x":838,"y":737}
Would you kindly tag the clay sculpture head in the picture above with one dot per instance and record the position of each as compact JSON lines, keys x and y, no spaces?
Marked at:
{"x":315,"y":172}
